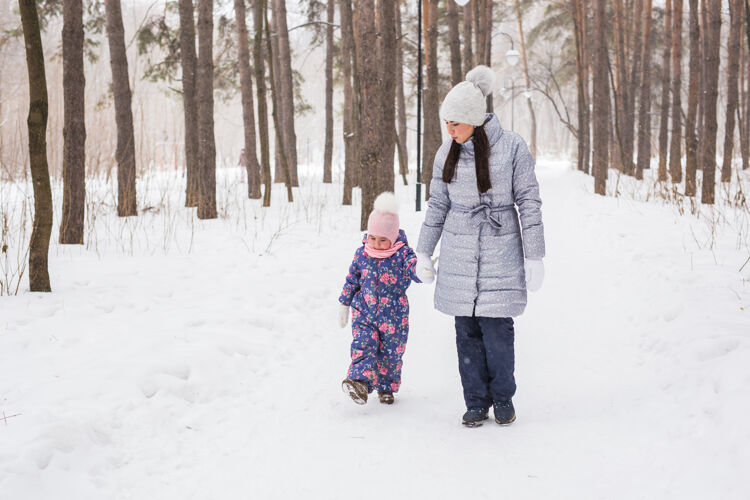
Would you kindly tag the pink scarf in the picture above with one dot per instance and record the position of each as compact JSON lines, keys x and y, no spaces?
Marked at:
{"x":382,"y":254}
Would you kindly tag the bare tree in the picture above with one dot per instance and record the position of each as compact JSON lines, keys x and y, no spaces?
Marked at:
{"x":259,"y":9}
{"x":691,"y":139}
{"x":711,"y":65}
{"x":189,"y":61}
{"x":287,"y":88}
{"x":675,"y":151}
{"x":370,"y":152}
{"x":454,"y":43}
{"x":37,"y":124}
{"x":665,"y":101}
{"x":532,"y":116}
{"x":125,"y":152}
{"x":733,"y":60}
{"x":248,"y":109}
{"x":579,"y":14}
{"x":468,"y":56}
{"x":74,"y":130}
{"x":281,"y":158}
{"x":205,"y":93}
{"x":328,"y":153}
{"x":432,"y":135}
{"x":403,"y":156}
{"x":350,"y":139}
{"x":601,"y":98}
{"x":644,"y":111}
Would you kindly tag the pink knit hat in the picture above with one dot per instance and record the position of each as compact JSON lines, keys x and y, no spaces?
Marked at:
{"x":383,"y":220}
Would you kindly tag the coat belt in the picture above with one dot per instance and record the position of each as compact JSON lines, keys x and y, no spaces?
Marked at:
{"x":483,"y":213}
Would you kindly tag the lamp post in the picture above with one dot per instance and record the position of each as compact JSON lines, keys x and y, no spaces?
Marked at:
{"x":512,"y":56}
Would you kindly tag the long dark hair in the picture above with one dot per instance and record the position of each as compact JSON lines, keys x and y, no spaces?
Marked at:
{"x":481,"y":160}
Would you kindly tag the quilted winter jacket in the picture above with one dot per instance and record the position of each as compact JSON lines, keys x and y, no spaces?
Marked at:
{"x":377,"y":287}
{"x":480,"y":269}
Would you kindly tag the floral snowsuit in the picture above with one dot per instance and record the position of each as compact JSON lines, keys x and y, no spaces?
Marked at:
{"x":375,"y":289}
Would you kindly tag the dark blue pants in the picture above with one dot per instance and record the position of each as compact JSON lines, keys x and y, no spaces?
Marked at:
{"x":485,"y":359}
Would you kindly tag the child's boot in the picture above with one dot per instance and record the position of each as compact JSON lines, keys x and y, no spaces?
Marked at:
{"x":386,"y":397}
{"x":356,"y":390}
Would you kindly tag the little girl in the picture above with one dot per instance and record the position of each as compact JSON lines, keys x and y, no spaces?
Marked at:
{"x":375,"y":287}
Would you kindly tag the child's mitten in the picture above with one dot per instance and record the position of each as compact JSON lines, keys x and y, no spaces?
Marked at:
{"x":534,"y":274}
{"x":343,"y":315}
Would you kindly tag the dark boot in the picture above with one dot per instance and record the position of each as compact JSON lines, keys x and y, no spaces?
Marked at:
{"x":386,"y":397}
{"x":504,"y":412}
{"x":356,"y":390}
{"x":475,"y":417}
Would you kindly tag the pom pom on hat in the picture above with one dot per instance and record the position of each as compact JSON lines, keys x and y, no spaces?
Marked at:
{"x":467,"y":101}
{"x":483,"y":77}
{"x":383,"y":220}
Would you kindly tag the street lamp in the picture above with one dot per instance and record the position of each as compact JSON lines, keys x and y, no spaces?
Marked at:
{"x":512,"y":56}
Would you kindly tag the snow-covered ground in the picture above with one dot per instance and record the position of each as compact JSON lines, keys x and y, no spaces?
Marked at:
{"x":179,"y":358}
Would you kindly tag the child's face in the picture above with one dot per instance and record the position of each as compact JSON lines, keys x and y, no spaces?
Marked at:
{"x":378,"y":242}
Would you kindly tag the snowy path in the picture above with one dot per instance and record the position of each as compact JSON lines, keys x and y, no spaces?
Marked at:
{"x":216,"y":374}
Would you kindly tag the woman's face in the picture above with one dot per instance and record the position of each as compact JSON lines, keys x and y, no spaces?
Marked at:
{"x":459,"y":132}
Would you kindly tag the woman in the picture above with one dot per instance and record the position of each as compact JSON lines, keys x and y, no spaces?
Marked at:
{"x":483,"y":179}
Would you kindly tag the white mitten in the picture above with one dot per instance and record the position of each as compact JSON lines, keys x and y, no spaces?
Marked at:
{"x":534,"y":274}
{"x":343,"y":315}
{"x":425,"y":269}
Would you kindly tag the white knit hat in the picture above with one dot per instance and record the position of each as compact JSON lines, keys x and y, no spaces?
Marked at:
{"x":467,"y":101}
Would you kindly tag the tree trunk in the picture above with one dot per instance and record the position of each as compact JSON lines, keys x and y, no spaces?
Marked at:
{"x":665,"y":82}
{"x":532,"y":116}
{"x":711,"y":64}
{"x":621,"y":87}
{"x":350,"y":149}
{"x":644,"y":112}
{"x":742,"y":110}
{"x":488,"y":46}
{"x":74,"y":129}
{"x":628,"y":124}
{"x":675,"y":150}
{"x":287,"y":89}
{"x":387,"y":28}
{"x":403,"y":156}
{"x":248,"y":109}
{"x":188,"y":60}
{"x":578,"y":12}
{"x":37,"y":125}
{"x":735,"y":32}
{"x":328,"y":153}
{"x":259,"y":10}
{"x":468,"y":57}
{"x":281,"y":149}
{"x":478,"y":18}
{"x":454,"y":42}
{"x":205,"y":88}
{"x":125,"y":152}
{"x":691,"y":139}
{"x":432,"y":136}
{"x":601,"y":98}
{"x":371,"y":96}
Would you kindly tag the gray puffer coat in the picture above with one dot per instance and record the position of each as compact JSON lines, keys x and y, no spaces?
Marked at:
{"x":481,"y":270}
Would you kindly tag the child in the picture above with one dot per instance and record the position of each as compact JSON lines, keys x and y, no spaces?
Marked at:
{"x":375,"y":287}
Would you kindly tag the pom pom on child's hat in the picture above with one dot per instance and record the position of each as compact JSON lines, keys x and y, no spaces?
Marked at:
{"x":383,"y":220}
{"x":467,"y":101}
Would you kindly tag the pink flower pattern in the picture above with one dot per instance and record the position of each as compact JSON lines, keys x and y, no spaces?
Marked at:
{"x":375,"y":290}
